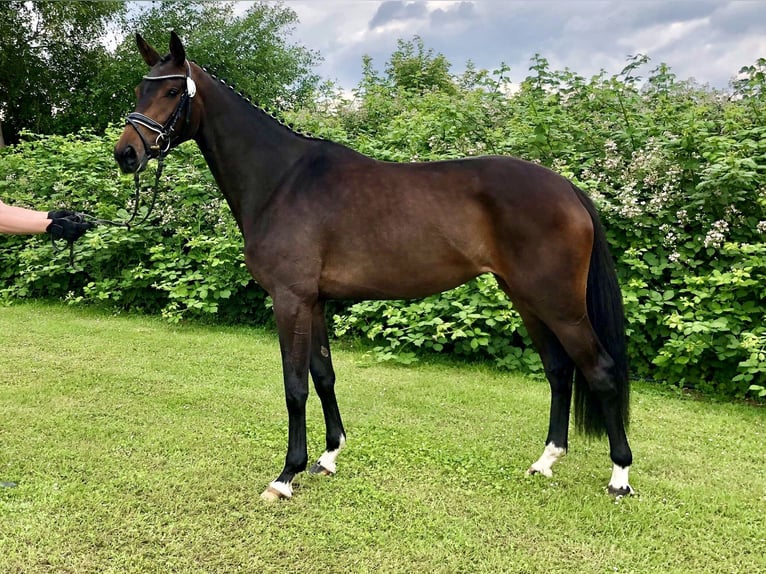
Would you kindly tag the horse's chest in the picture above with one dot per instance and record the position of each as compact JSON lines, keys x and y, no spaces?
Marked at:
{"x":284,"y":257}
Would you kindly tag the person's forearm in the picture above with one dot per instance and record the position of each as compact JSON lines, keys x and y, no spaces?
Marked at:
{"x":21,"y":212}
{"x":12,"y":223}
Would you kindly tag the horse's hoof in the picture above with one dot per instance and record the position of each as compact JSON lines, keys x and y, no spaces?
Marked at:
{"x":270,"y":495}
{"x":319,"y":469}
{"x":531,"y":471}
{"x":277,"y":491}
{"x":621,"y":491}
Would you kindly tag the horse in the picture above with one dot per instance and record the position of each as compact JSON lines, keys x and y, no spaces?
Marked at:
{"x":321,"y":221}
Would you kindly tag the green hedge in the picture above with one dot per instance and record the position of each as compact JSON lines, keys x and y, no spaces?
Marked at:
{"x":678,"y":172}
{"x":185,"y":262}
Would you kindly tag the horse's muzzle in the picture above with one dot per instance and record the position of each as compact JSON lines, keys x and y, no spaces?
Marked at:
{"x":127,"y":158}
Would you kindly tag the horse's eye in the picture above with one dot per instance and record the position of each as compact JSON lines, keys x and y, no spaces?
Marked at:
{"x":172,"y":92}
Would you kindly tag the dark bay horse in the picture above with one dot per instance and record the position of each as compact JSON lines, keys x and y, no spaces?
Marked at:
{"x":321,"y":221}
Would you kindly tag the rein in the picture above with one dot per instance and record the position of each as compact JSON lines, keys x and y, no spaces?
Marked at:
{"x":128,"y":223}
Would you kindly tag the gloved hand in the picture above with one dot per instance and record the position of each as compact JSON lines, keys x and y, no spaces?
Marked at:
{"x":69,"y":228}
{"x":60,"y":213}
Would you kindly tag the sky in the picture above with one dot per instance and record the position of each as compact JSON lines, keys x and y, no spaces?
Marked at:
{"x":701,"y":39}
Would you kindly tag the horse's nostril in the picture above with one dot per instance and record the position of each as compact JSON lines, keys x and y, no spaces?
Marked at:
{"x":127,"y":158}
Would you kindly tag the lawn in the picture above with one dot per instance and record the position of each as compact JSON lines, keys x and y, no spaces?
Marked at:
{"x":138,"y":446}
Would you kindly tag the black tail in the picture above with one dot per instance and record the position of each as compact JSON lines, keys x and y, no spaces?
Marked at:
{"x":607,"y":316}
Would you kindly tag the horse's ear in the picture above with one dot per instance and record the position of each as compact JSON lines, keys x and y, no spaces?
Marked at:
{"x":177,"y":49}
{"x":148,"y":53}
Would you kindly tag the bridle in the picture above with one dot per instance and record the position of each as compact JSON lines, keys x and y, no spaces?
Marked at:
{"x":162,"y":143}
{"x":164,"y":132}
{"x":159,"y":149}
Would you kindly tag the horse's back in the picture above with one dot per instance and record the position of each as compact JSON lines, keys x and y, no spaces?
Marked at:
{"x":343,"y":183}
{"x":473,"y":203}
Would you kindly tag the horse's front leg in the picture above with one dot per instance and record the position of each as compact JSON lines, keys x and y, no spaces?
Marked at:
{"x":293,"y":318}
{"x":323,"y":374}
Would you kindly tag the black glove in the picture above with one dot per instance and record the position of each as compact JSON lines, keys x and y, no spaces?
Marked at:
{"x":60,"y":213}
{"x":69,"y":228}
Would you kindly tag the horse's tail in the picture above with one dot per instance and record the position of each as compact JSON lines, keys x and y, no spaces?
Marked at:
{"x":605,"y":310}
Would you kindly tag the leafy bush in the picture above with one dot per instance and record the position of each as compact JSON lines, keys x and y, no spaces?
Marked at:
{"x":471,"y":320}
{"x":678,"y":172}
{"x":186,"y":261}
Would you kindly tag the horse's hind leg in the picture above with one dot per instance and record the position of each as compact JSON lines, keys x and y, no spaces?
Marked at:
{"x":565,"y":339}
{"x":559,"y":370}
{"x":598,"y":369}
{"x":323,"y":375}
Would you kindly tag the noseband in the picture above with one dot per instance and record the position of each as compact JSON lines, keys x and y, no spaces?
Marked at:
{"x":164,"y":132}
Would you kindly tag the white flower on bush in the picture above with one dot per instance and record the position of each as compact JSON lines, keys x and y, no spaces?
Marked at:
{"x":717,"y":234}
{"x":761,"y":227}
{"x":669,"y":237}
{"x":613,"y":159}
{"x":612,"y":162}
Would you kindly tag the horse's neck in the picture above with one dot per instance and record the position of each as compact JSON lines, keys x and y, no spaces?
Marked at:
{"x":248,"y":151}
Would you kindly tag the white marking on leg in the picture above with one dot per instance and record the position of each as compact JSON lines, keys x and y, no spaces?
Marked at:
{"x":327,"y":460}
{"x":619,"y":480}
{"x":283,"y":488}
{"x":544,"y":464}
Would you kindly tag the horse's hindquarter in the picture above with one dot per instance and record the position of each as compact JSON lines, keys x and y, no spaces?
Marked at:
{"x":366,"y":229}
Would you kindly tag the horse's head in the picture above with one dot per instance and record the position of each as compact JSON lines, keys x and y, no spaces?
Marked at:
{"x":167,"y":110}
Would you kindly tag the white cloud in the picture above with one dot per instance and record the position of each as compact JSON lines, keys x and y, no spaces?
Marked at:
{"x":653,"y":39}
{"x":704,"y":39}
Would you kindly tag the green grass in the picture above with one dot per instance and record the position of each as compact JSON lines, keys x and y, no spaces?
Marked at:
{"x":142,"y":447}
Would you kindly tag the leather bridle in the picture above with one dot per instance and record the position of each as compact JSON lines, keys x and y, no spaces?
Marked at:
{"x":159,"y":149}
{"x":165,"y":131}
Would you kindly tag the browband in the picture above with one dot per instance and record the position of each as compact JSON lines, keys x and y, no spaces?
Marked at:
{"x":191,"y":87}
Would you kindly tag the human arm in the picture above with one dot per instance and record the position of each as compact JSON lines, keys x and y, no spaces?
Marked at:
{"x":19,"y":220}
{"x":61,"y":224}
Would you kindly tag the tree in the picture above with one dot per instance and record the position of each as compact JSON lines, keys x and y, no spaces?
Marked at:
{"x":249,"y":50}
{"x":417,"y":70}
{"x":50,"y":52}
{"x":57,"y":75}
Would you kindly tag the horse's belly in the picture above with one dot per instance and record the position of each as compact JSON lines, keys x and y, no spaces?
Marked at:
{"x":396,"y":277}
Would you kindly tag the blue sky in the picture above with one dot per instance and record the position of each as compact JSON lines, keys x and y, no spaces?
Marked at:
{"x":703,"y":39}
